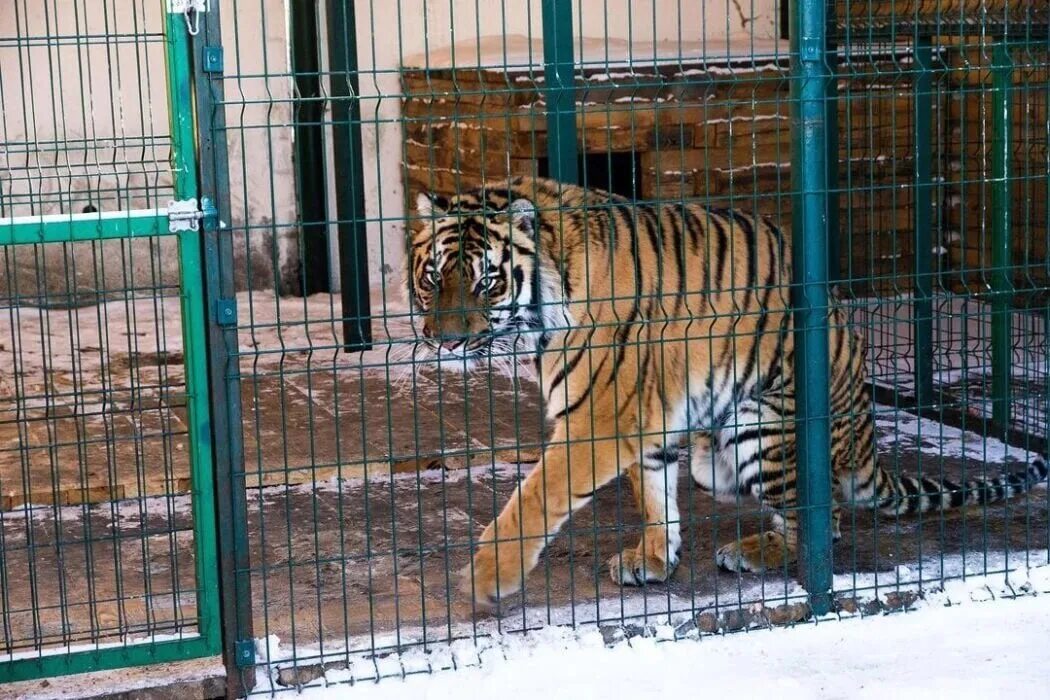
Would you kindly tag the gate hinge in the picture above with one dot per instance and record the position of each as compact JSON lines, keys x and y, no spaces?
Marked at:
{"x":184,"y":215}
{"x":244,"y":649}
{"x":191,"y":10}
{"x":226,"y":312}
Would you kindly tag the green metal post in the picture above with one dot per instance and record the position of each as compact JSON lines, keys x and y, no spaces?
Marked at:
{"x":180,"y":109}
{"x":345,"y":93}
{"x":559,"y":69}
{"x":1001,"y":282}
{"x":809,"y":173}
{"x":198,"y":410}
{"x":184,"y":173}
{"x":922,"y":304}
{"x":231,"y":506}
{"x":831,"y":116}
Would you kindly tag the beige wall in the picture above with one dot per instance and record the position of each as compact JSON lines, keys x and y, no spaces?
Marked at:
{"x":260,"y":137}
{"x":111,"y":95}
{"x":86,"y":122}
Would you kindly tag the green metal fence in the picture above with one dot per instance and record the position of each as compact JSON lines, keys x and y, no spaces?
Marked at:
{"x":898,"y":146}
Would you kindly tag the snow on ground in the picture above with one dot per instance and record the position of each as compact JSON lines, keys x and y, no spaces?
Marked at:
{"x":899,"y":430}
{"x":983,"y":636}
{"x":968,"y":652}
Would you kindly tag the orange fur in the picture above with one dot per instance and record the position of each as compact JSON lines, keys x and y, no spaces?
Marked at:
{"x":662,"y":324}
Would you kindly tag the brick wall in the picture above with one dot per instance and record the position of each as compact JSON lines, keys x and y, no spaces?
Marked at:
{"x":720,"y":133}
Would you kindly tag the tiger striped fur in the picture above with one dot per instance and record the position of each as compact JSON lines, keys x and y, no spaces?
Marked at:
{"x":650,"y":325}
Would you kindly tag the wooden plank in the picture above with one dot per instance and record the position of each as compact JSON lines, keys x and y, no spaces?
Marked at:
{"x":624,"y":116}
{"x":444,"y":182}
{"x":473,"y":136}
{"x":494,"y":115}
{"x":489,"y":162}
{"x":614,"y":139}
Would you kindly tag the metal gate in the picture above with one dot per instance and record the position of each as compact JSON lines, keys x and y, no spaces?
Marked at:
{"x":108,"y":526}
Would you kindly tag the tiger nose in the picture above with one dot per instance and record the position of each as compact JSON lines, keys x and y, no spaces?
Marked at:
{"x":447,"y":342}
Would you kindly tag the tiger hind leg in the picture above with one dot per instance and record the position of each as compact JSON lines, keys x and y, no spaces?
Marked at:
{"x":757,"y":445}
{"x":771,"y":549}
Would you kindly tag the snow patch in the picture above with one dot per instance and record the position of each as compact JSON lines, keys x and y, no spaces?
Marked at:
{"x":900,"y":431}
{"x":558,"y":661}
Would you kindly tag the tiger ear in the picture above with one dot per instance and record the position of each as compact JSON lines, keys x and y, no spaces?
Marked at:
{"x":427,"y":207}
{"x":523,"y":215}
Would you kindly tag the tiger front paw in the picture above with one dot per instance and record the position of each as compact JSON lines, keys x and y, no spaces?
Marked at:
{"x":491,"y":576}
{"x":631,"y":568}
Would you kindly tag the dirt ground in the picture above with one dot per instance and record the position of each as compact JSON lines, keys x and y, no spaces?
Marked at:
{"x":351,"y":562}
{"x":343,"y":562}
{"x":367,"y":480}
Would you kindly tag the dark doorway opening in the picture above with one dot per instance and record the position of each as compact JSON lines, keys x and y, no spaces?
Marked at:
{"x":614,"y":172}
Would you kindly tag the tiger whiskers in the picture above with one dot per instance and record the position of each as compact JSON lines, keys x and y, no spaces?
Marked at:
{"x":404,"y":361}
{"x":508,"y":355}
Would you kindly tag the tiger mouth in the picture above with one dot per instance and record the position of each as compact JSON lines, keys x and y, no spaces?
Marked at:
{"x":467,"y":348}
{"x":504,"y":343}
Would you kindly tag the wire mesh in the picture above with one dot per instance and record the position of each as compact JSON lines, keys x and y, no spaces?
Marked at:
{"x":84,"y":124}
{"x":372,"y":462}
{"x":102,"y":471}
{"x":372,"y":474}
{"x":97,"y":541}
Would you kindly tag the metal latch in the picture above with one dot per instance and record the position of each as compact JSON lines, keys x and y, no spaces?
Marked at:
{"x":191,"y":10}
{"x":184,"y":215}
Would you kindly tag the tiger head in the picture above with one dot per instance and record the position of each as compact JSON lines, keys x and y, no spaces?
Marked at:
{"x":472,"y":279}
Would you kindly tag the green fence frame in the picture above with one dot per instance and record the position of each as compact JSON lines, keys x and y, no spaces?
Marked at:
{"x":233,"y":562}
{"x":138,"y":224}
{"x":811,"y":81}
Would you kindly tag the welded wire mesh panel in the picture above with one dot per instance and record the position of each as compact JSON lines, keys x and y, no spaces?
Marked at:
{"x":957,"y":337}
{"x":84,"y":127}
{"x":95,"y":517}
{"x":84,"y":121}
{"x":635,"y":343}
{"x":103,"y":431}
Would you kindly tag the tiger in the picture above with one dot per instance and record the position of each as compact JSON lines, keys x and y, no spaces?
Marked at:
{"x":651,"y":326}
